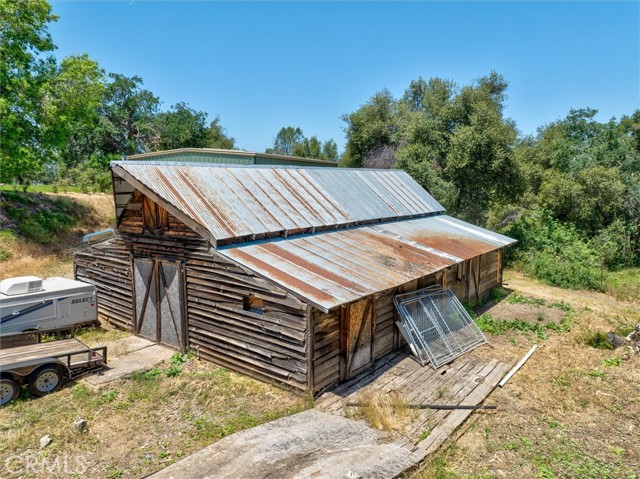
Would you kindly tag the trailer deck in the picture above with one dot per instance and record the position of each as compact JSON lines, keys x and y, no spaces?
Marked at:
{"x":44,"y":366}
{"x":73,"y":352}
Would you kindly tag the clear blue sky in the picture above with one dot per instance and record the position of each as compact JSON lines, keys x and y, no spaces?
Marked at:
{"x":261,"y":66}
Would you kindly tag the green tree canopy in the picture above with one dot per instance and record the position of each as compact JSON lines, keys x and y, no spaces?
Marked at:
{"x":217,"y":136}
{"x":127,"y":117}
{"x":181,"y":127}
{"x":25,"y":67}
{"x":71,"y":109}
{"x":454,"y":141}
{"x":291,"y":141}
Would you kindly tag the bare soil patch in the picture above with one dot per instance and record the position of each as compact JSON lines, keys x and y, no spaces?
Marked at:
{"x":527,"y":312}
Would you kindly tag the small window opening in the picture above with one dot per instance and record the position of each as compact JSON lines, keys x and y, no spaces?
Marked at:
{"x":154,"y":216}
{"x":253,"y":304}
{"x":461,"y":272}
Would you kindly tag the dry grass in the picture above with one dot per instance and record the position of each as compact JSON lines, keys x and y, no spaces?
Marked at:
{"x":20,"y":257}
{"x":140,"y":425}
{"x":573,"y":411}
{"x":385,"y":411}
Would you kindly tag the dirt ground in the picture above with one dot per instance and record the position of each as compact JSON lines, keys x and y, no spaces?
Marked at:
{"x":573,"y":411}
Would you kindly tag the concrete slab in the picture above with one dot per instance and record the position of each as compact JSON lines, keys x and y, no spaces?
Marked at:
{"x":127,"y":356}
{"x":311,"y":444}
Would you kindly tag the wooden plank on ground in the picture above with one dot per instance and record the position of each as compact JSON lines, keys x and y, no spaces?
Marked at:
{"x":457,"y":417}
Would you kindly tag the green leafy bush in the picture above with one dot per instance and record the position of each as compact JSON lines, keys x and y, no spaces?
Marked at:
{"x":598,"y":340}
{"x":173,"y":371}
{"x":555,"y":252}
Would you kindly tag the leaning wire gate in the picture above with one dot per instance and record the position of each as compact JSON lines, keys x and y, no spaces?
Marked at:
{"x":436,"y":325}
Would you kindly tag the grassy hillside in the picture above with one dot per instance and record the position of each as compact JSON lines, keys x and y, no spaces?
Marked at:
{"x":39,"y":230}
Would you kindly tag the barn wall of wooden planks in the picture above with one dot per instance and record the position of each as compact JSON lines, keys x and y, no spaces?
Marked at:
{"x":285,"y":341}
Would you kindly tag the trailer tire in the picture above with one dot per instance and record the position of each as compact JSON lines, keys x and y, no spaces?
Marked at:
{"x":45,"y":380}
{"x":9,"y":390}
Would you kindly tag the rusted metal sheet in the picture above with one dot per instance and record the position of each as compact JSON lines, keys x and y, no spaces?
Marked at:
{"x":243,"y":202}
{"x":448,"y":235}
{"x":333,"y":268}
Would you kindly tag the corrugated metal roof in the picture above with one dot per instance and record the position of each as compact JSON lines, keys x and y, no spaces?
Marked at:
{"x":332,"y":268}
{"x":232,"y":201}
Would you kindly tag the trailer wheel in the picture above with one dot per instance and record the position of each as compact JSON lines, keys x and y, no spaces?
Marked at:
{"x":9,"y":390}
{"x":45,"y":381}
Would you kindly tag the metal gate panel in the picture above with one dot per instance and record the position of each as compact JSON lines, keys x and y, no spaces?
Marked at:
{"x":146,"y":297}
{"x":171,"y":328}
{"x":436,"y":325}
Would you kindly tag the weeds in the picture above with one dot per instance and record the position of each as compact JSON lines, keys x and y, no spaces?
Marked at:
{"x":96,"y":334}
{"x":173,"y":371}
{"x":5,"y":254}
{"x":611,"y":362}
{"x":109,"y":396}
{"x":385,"y":411}
{"x":177,"y":360}
{"x":598,"y":340}
{"x":624,"y":284}
{"x":114,"y":473}
{"x":561,"y":305}
{"x":488,"y":324}
{"x":498,"y":294}
{"x":517,"y":298}
{"x":152,"y":374}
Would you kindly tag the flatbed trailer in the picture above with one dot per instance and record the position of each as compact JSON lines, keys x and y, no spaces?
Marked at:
{"x":44,"y":366}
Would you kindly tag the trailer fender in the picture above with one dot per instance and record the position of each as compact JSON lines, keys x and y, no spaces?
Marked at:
{"x":21,"y":370}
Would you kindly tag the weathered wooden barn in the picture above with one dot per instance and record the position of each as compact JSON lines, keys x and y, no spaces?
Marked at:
{"x":287,"y":274}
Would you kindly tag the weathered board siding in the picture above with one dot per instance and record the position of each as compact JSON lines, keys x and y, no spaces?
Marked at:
{"x":131,"y":222}
{"x":271,"y":346}
{"x":485,"y":273}
{"x":326,"y":348}
{"x":107,"y":265}
{"x":384,"y":324}
{"x":480,"y":274}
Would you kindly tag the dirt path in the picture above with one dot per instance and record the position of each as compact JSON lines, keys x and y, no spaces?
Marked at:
{"x":599,"y":302}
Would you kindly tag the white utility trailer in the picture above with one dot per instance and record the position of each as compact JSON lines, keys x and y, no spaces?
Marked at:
{"x":29,"y":303}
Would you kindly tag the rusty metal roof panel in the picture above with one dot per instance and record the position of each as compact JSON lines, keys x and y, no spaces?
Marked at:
{"x":448,"y":235}
{"x":328,"y":269}
{"x":232,"y":201}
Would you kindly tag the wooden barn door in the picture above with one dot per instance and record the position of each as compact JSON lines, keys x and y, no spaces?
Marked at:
{"x":158,"y":301}
{"x":358,"y":334}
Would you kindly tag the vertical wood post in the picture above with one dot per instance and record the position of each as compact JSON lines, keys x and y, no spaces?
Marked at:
{"x":344,"y":319}
{"x":311,"y":346}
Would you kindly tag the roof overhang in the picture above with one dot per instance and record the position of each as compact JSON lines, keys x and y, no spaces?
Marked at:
{"x":333,"y":268}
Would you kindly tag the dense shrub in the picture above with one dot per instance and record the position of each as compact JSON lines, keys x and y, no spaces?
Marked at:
{"x":555,"y":252}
